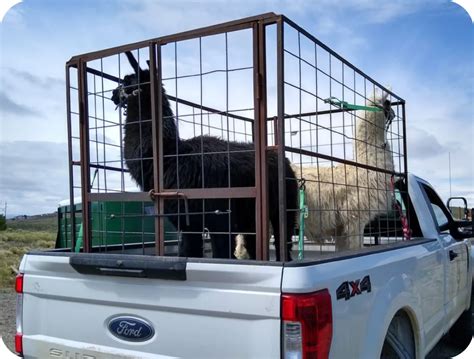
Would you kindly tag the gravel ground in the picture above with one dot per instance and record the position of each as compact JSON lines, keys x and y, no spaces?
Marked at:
{"x":7,"y":317}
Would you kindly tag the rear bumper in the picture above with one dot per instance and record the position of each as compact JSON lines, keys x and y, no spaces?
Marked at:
{"x":41,"y":346}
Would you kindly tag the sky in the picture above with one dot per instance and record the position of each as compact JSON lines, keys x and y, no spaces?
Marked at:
{"x":423,"y":49}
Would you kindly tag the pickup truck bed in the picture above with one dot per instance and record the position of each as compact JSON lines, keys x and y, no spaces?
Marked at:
{"x":96,"y":305}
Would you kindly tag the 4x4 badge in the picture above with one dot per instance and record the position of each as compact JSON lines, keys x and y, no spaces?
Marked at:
{"x":349,"y":289}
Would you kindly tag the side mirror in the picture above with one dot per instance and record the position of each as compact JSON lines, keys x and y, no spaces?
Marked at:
{"x":458,"y":212}
{"x":462,"y":229}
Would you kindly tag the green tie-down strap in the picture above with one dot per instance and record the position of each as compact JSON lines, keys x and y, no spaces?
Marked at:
{"x":303,"y":216}
{"x":79,"y":240}
{"x":348,"y":106}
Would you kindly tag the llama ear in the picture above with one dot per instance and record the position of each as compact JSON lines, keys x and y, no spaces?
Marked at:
{"x":133,"y":62}
{"x":385,"y":94}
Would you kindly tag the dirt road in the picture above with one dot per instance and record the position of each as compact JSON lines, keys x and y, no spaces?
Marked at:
{"x":7,"y":317}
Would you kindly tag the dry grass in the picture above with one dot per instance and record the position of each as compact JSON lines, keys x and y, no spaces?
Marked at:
{"x":16,"y":242}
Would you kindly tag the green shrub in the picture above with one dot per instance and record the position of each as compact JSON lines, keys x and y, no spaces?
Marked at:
{"x":3,"y":222}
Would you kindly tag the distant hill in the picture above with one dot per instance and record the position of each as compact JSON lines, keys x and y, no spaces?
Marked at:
{"x":44,"y":222}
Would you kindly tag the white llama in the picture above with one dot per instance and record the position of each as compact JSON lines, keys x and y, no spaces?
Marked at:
{"x":343,"y":199}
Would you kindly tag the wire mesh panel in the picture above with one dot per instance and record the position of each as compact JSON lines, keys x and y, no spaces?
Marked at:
{"x":217,"y":141}
{"x":207,"y":141}
{"x":344,"y":135}
{"x":173,"y":123}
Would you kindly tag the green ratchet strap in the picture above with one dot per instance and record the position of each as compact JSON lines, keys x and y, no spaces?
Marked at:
{"x":303,"y":216}
{"x":347,"y":106}
{"x":79,"y":240}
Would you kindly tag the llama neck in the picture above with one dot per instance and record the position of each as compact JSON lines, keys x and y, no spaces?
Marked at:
{"x":371,"y":147}
{"x":170,"y":132}
{"x":138,"y":141}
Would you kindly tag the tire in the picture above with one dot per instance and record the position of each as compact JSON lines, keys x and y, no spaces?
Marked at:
{"x":399,"y":342}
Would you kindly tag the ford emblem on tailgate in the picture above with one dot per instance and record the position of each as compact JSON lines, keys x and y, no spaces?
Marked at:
{"x":131,"y":329}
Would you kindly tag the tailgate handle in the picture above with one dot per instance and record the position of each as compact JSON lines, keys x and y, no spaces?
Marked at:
{"x":452,"y":255}
{"x":130,"y":266}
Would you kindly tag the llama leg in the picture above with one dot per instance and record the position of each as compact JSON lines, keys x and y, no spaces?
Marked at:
{"x":240,"y":251}
{"x":352,"y":237}
{"x":220,"y":246}
{"x":190,"y":245}
{"x":287,"y":240}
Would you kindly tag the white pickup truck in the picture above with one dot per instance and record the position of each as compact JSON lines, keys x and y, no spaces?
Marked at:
{"x":392,"y":300}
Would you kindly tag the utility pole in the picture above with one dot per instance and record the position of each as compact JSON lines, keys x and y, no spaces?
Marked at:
{"x":449,"y":154}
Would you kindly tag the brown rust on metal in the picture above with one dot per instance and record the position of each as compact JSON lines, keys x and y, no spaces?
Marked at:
{"x":84,"y":151}
{"x":156,"y":120}
{"x":281,"y":142}
{"x":186,"y":35}
{"x":172,"y":98}
{"x":340,"y":160}
{"x":257,"y":24}
{"x":216,"y":193}
{"x":70,"y":159}
{"x":260,"y":105}
{"x":327,"y":112}
{"x":120,"y":197}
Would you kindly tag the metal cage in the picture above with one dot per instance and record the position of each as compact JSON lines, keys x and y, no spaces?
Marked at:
{"x":259,"y":89}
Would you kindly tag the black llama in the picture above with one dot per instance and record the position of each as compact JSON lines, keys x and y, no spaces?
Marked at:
{"x":191,"y":169}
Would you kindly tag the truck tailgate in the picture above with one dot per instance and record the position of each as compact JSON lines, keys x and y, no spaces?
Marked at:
{"x":206,"y":310}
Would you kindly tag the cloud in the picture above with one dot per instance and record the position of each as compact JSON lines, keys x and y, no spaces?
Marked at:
{"x":9,"y":106}
{"x":44,"y":82}
{"x":422,"y":144}
{"x":33,"y":176}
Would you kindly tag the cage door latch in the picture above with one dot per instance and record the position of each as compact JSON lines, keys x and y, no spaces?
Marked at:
{"x":155,"y":195}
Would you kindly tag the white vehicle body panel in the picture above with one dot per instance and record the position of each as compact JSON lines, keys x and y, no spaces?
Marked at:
{"x":225,"y":309}
{"x":215,"y":311}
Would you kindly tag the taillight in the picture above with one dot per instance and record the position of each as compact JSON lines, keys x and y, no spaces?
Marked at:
{"x":19,"y":283}
{"x":19,"y":343}
{"x":306,"y":325}
{"x":19,"y":314}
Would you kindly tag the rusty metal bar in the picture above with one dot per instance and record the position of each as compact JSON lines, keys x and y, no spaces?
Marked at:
{"x":224,"y":113}
{"x":340,"y":160}
{"x":120,"y":197}
{"x":405,"y":142}
{"x":216,"y":193}
{"x":260,"y":125}
{"x":257,"y":141}
{"x":281,"y":141}
{"x":327,"y":112}
{"x":405,"y":169}
{"x":84,"y":150}
{"x":208,"y":109}
{"x":70,"y":160}
{"x":186,"y":35}
{"x":176,"y":99}
{"x":157,"y":128}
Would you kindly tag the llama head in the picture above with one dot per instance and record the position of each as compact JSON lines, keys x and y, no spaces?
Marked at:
{"x":372,"y":128}
{"x":134,"y":95}
{"x":384,"y":103}
{"x":371,"y":132}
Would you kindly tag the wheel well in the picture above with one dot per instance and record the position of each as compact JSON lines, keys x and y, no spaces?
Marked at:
{"x":400,"y":340}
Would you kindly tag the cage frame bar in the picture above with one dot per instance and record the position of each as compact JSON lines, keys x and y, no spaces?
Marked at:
{"x":258,"y":26}
{"x":84,"y":155}
{"x":281,"y":140}
{"x":72,"y":211}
